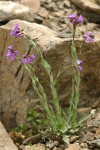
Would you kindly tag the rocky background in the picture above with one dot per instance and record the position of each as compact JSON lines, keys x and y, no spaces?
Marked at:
{"x":46,"y":22}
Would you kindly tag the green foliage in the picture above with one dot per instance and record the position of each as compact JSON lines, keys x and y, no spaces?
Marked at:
{"x":36,"y":119}
{"x":21,"y":128}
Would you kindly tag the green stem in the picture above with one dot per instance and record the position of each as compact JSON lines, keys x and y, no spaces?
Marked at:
{"x":40,"y":91}
{"x":74,"y":100}
{"x":52,"y":85}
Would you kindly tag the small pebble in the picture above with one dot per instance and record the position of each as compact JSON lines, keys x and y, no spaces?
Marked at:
{"x":74,"y":138}
{"x":52,"y":144}
{"x":83,"y":145}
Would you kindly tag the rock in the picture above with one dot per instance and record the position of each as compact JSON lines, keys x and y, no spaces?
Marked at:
{"x":83,"y":145}
{"x":94,"y":122}
{"x":16,"y":92}
{"x":88,"y":27}
{"x":51,"y":145}
{"x":11,"y":10}
{"x":95,"y":143}
{"x":89,"y":5}
{"x":34,"y":5}
{"x":38,"y":19}
{"x":59,"y":13}
{"x":67,"y":4}
{"x":91,"y":9}
{"x":11,"y":0}
{"x":46,"y":22}
{"x":97,"y":135}
{"x":73,"y":147}
{"x":98,"y":1}
{"x":60,"y":5}
{"x":35,"y":146}
{"x":6,"y":142}
{"x":43,"y":12}
{"x":74,"y":138}
{"x":51,"y":6}
{"x":64,"y":34}
{"x":55,"y":148}
{"x":85,"y":149}
{"x":88,"y":137}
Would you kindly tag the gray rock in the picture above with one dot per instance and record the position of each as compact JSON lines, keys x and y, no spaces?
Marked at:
{"x":95,"y":143}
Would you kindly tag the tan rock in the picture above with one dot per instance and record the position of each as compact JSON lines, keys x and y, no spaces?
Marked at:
{"x":11,"y":10}
{"x":6,"y":142}
{"x":67,"y":3}
{"x":89,"y":5}
{"x":94,"y":122}
{"x":73,"y":147}
{"x":35,"y":146}
{"x":97,"y":135}
{"x":34,"y":5}
{"x":43,"y":12}
{"x":98,"y":1}
{"x":74,"y":138}
{"x":16,"y":92}
{"x":96,"y":143}
{"x":89,"y":136}
{"x":84,"y":149}
{"x":83,"y":145}
{"x":58,"y":13}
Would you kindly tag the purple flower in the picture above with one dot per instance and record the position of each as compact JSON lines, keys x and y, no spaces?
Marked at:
{"x":80,"y":19}
{"x":89,"y":37}
{"x":11,"y":53}
{"x":79,"y":62}
{"x":75,"y":19}
{"x":16,"y":31}
{"x":27,"y":59}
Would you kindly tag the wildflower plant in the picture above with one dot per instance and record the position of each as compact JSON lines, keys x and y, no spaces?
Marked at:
{"x":74,"y":99}
{"x":60,"y":122}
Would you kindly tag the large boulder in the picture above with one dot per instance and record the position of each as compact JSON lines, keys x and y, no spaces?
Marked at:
{"x":12,"y":10}
{"x":91,"y":9}
{"x":34,"y":5}
{"x":16,"y":92}
{"x":89,"y":5}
